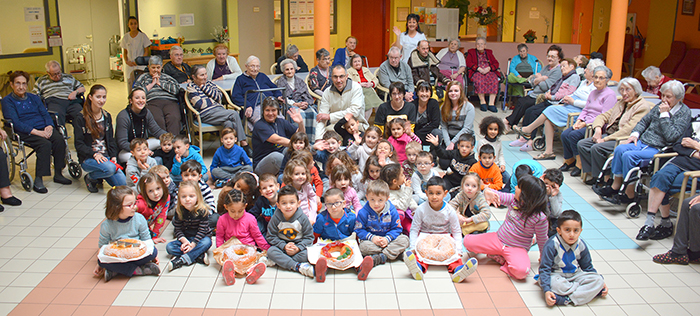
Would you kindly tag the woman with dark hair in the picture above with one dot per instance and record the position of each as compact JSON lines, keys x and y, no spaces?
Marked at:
{"x":34,"y":126}
{"x":134,"y":44}
{"x":396,"y":107}
{"x":135,"y":121}
{"x":271,"y":136}
{"x":408,"y":41}
{"x":319,"y":75}
{"x":427,"y":112}
{"x":94,"y":141}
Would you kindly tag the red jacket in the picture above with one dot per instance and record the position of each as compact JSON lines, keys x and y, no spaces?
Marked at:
{"x":155,"y":216}
{"x":473,"y":62}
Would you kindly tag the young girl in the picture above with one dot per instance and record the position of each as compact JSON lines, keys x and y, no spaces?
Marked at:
{"x":298,"y":141}
{"x":297,"y":175}
{"x":164,"y":174}
{"x":341,"y":179}
{"x":401,"y":135}
{"x":491,"y":129}
{"x":400,"y":193}
{"x":525,"y":218}
{"x":471,"y":206}
{"x":191,"y":223}
{"x":246,"y":182}
{"x":308,"y":158}
{"x":153,"y":203}
{"x":238,"y":223}
{"x":371,"y":172}
{"x":123,"y":222}
{"x":360,"y":151}
{"x":385,"y":152}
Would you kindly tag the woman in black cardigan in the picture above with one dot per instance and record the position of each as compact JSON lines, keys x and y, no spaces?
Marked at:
{"x":427,"y":112}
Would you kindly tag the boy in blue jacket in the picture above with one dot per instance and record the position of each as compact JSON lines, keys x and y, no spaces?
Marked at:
{"x":337,"y":223}
{"x":378,"y":226}
{"x":185,"y":152}
{"x":229,"y":159}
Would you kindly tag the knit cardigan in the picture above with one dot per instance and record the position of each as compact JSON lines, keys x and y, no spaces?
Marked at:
{"x":660,"y":132}
{"x":633,"y":112}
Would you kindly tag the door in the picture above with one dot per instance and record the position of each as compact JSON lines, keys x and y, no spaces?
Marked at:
{"x":256,"y":32}
{"x":534,"y":15}
{"x":371,"y":28}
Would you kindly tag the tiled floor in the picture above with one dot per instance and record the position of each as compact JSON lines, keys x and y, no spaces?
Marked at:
{"x":48,"y":248}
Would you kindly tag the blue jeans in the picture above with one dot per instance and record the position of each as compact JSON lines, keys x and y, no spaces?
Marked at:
{"x":669,"y":179}
{"x":628,"y":156}
{"x":201,"y":247}
{"x":106,"y":170}
{"x":570,"y":138}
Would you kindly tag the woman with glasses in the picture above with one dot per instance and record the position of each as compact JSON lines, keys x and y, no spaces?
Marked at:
{"x":252,"y":79}
{"x":319,"y":75}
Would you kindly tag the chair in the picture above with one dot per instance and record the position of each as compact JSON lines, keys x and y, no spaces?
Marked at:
{"x":311,"y":92}
{"x":273,"y":69}
{"x":196,"y":127}
{"x":384,"y":90}
{"x":669,"y":65}
{"x":688,"y":66}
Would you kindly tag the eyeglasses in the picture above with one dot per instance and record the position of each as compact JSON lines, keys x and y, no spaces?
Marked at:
{"x":423,"y":164}
{"x":599,"y":78}
{"x":334,"y":205}
{"x":129,"y":205}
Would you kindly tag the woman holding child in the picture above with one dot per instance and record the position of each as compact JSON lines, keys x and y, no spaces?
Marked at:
{"x":397,"y":107}
{"x":136,"y":122}
{"x":271,"y":135}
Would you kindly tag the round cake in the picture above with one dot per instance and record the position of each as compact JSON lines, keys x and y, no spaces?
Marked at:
{"x":436,"y":247}
{"x":126,"y":249}
{"x":242,"y":256}
{"x":337,"y":254}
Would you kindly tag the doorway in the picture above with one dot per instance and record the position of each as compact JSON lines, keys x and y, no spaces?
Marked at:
{"x":536,"y":15}
{"x":370,"y":25}
{"x":256,"y":32}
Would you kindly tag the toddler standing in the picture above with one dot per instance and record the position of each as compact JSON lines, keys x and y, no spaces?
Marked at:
{"x":164,"y":175}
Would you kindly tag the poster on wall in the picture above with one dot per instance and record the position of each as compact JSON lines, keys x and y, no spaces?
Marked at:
{"x":301,"y":17}
{"x":54,"y":35}
{"x":36,"y":36}
{"x":32,"y":14}
{"x":167,"y":20}
{"x":187,"y":19}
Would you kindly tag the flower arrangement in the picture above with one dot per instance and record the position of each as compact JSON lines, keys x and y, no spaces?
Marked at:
{"x":530,"y":36}
{"x":220,"y":34}
{"x":484,"y":15}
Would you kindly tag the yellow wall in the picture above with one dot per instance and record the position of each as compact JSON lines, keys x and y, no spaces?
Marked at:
{"x":508,"y":20}
{"x":601,"y":9}
{"x":562,"y":27}
{"x":393,"y":22}
{"x":306,"y":43}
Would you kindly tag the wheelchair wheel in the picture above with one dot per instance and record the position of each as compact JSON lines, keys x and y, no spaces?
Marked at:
{"x":74,"y":169}
{"x":27,"y":181}
{"x":10,"y":159}
{"x":538,"y":143}
{"x":633,"y":210}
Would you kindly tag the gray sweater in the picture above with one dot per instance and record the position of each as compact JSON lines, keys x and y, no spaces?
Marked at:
{"x":124,"y":127}
{"x":458,"y":124}
{"x":553,"y":74}
{"x":387,"y":75}
{"x":659,"y":132}
{"x":444,"y":221}
{"x":297,"y":229}
{"x":134,"y":173}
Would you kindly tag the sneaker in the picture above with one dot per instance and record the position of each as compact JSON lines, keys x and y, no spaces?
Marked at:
{"x":150,"y":269}
{"x":662,"y":232}
{"x":220,"y":183}
{"x":91,"y":186}
{"x":59,"y":178}
{"x":378,"y":259}
{"x":364,"y":268}
{"x":463,"y":271}
{"x":306,"y":269}
{"x":320,"y":269}
{"x":409,"y":258}
{"x":562,"y":300}
{"x":203,"y":259}
{"x":493,"y":108}
{"x":526,"y":147}
{"x":176,"y":263}
{"x":229,"y":272}
{"x":497,"y":258}
{"x":268,"y":263}
{"x":645,"y":232}
{"x":109,"y":275}
{"x":670,"y":257}
{"x":255,"y":272}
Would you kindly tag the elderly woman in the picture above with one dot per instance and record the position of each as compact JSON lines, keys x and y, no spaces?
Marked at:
{"x":408,"y":40}
{"x":223,"y":66}
{"x":34,"y":126}
{"x":297,"y":95}
{"x":452,"y":62}
{"x":661,"y":127}
{"x":293,"y":54}
{"x":397,"y":107}
{"x":176,"y":68}
{"x":136,"y":122}
{"x":608,"y":126}
{"x":655,"y":79}
{"x":427,"y":112}
{"x":343,"y":55}
{"x":252,"y":79}
{"x":319,"y":75}
{"x":522,"y":66}
{"x":161,"y":95}
{"x":686,"y":243}
{"x":483,"y":72}
{"x":206,"y":98}
{"x":271,"y":136}
{"x":598,"y":101}
{"x":367,"y":80}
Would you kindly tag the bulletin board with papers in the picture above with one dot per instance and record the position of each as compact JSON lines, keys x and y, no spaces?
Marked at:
{"x":301,"y":17}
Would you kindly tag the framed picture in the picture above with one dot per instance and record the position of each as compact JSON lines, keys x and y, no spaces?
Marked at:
{"x":688,"y":7}
{"x":401,"y":14}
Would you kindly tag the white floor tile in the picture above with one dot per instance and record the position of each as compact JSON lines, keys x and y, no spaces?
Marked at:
{"x":318,"y":301}
{"x":14,"y":294}
{"x":349,"y":286}
{"x":28,"y":279}
{"x":311,"y":286}
{"x":199,"y":285}
{"x":131,"y":298}
{"x":161,"y":299}
{"x":654,"y":295}
{"x":255,"y":300}
{"x":682,"y":294}
{"x":413,"y":301}
{"x":349,"y":301}
{"x":192,"y":299}
{"x":170,"y":283}
{"x":223,"y":300}
{"x":445,"y":300}
{"x":670,"y":310}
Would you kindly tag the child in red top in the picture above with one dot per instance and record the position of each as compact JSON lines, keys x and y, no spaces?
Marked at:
{"x":489,"y":172}
{"x":401,"y":134}
{"x":153,"y":203}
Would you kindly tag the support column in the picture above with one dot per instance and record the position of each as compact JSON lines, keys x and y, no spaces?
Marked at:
{"x":322,"y":25}
{"x":616,"y":37}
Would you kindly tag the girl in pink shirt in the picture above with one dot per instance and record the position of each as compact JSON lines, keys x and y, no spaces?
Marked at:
{"x":341,"y":178}
{"x":401,"y":135}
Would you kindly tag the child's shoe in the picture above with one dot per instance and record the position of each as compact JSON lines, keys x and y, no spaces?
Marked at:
{"x":378,"y":259}
{"x":409,"y":258}
{"x":176,"y":263}
{"x":268,"y":263}
{"x":220,"y":183}
{"x":320,"y":269}
{"x":109,"y":275}
{"x":463,"y":271}
{"x":364,"y":268}
{"x":150,"y":268}
{"x":517,"y":143}
{"x":203,"y":259}
{"x":306,"y":269}
{"x":255,"y":272}
{"x":229,"y":272}
{"x":562,"y":300}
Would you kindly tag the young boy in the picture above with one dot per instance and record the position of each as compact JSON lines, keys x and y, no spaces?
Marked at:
{"x":489,"y":172}
{"x":264,"y":206}
{"x":425,"y":171}
{"x":337,"y":223}
{"x":378,"y":226}
{"x":289,"y":233}
{"x":459,"y":159}
{"x":566,"y":271}
{"x":140,"y":161}
{"x":553,"y":179}
{"x":165,"y":153}
{"x":192,"y":170}
{"x":184,"y":152}
{"x":229,"y":159}
{"x":164,"y":174}
{"x":409,"y":165}
{"x":349,"y":129}
{"x":437,"y":217}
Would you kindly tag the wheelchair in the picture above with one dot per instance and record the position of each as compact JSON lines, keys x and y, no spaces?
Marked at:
{"x":539,"y":141}
{"x":14,"y":147}
{"x":525,"y":85}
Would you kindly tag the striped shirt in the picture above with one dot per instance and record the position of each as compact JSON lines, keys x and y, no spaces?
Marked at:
{"x":47,"y":88}
{"x":167,"y":89}
{"x":515,"y":231}
{"x":204,"y":98}
{"x":195,"y":226}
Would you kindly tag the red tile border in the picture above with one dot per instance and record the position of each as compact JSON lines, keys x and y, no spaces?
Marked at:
{"x":41,"y":295}
{"x":28,"y":309}
{"x":101,"y":297}
{"x":482,"y":312}
{"x":71,"y":296}
{"x":59,"y":310}
{"x":416,"y":312}
{"x":476,"y":300}
{"x":385,"y":312}
{"x":154,"y":311}
{"x":90,"y":310}
{"x":122,"y":311}
{"x":524,"y":311}
{"x":186,"y":311}
{"x":339,"y":312}
{"x":507,"y":300}
{"x":284,"y":312}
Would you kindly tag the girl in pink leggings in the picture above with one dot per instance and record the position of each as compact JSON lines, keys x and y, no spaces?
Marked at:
{"x":525,"y":218}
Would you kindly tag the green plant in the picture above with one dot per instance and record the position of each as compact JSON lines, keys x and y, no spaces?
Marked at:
{"x":462,"y":5}
{"x":484,"y":15}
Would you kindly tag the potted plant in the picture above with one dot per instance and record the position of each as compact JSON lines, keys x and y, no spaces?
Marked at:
{"x":463,"y":6}
{"x":483,"y":16}
{"x":530,"y":36}
{"x":220,"y":34}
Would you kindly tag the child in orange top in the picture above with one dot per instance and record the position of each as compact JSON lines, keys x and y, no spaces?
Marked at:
{"x":489,"y":172}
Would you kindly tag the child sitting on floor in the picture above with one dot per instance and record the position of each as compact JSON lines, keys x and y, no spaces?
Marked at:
{"x":183,"y":153}
{"x":265,"y":205}
{"x":191,"y":172}
{"x":566,"y":271}
{"x":246,"y":182}
{"x":165,"y":153}
{"x":420,"y":178}
{"x":553,"y":179}
{"x":140,"y":162}
{"x":471,"y":206}
{"x":153,"y":204}
{"x":164,"y":174}
{"x":459,"y":159}
{"x":289,"y":233}
{"x":491,"y":129}
{"x":409,"y":165}
{"x":385,"y":152}
{"x":297,"y":175}
{"x":400,"y":193}
{"x":229,"y":159}
{"x":341,"y":179}
{"x":360,"y":151}
{"x":342,"y":158}
{"x":370,"y":173}
{"x":488,"y":171}
{"x":400,"y":134}
{"x":191,"y":228}
{"x":349,"y":129}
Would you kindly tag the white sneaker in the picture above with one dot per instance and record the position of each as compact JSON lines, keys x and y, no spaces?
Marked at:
{"x":307,"y":269}
{"x":409,"y":258}
{"x":268,"y":263}
{"x":465,"y":270}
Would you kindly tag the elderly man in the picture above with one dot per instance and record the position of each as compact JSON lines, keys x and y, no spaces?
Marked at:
{"x":393,"y":69}
{"x":345,"y":96}
{"x":176,"y":68}
{"x":655,"y":79}
{"x":342,"y":55}
{"x":424,"y":64}
{"x":253,"y":79}
{"x":292,"y":53}
{"x":60,"y":92}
